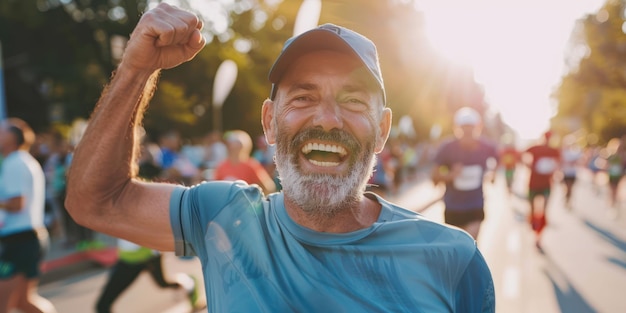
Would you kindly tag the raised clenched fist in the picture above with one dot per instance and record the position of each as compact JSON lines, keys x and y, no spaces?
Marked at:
{"x":165,"y":37}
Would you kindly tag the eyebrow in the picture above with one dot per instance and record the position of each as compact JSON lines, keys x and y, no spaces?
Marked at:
{"x":302,"y":86}
{"x":311,"y":87}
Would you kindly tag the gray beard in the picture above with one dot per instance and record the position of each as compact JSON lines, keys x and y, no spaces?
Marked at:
{"x":324,"y":195}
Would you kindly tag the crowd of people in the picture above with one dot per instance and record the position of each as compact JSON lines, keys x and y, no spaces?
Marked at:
{"x":560,"y":160}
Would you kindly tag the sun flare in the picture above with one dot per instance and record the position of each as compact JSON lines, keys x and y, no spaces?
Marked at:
{"x":516,"y":49}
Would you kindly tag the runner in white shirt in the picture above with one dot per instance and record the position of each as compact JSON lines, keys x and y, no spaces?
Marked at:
{"x":23,"y":237}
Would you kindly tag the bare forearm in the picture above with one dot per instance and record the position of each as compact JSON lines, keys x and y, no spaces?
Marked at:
{"x":13,"y":205}
{"x":103,"y":161}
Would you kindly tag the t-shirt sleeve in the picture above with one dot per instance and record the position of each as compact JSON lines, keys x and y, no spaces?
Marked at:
{"x":14,"y":177}
{"x":176,"y":201}
{"x":193,"y":209}
{"x":475,"y":291}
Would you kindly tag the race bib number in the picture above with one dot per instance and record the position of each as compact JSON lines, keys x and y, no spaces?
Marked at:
{"x":470,"y":178}
{"x":545,"y":166}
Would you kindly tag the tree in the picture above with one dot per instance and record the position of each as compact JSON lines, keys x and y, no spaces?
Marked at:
{"x":592,"y":95}
{"x":59,"y":77}
{"x":419,"y":83}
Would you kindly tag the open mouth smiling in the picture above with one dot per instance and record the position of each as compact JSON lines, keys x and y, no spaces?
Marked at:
{"x":325,"y":155}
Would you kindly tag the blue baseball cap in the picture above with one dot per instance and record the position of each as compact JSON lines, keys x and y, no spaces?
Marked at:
{"x":328,"y":37}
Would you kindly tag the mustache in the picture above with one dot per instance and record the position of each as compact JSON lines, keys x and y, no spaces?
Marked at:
{"x":338,"y":136}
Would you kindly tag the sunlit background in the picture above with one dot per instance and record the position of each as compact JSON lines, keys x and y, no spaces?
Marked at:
{"x":516,"y":49}
{"x":505,"y":58}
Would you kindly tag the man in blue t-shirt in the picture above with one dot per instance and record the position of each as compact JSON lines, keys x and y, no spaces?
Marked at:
{"x":322,"y":244}
{"x":461,"y":163}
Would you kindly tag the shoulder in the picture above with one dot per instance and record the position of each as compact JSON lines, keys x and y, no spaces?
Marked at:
{"x":220,"y":192}
{"x":202,"y":202}
{"x":475,"y":290}
{"x":436,"y":235}
{"x":446,"y":147}
{"x":18,"y":161}
{"x":448,"y":142}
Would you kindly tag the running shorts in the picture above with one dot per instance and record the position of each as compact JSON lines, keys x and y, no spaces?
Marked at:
{"x":22,"y":253}
{"x":462,"y":218}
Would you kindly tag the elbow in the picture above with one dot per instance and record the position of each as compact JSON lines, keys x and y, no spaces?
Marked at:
{"x":86,"y":205}
{"x":77,"y":207}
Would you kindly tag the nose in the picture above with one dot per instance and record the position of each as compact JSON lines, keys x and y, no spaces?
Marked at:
{"x":328,"y":115}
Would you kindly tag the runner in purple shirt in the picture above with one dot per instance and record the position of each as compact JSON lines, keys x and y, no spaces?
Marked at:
{"x":461,"y":163}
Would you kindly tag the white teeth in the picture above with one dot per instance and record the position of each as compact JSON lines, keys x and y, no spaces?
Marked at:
{"x":322,"y":147}
{"x":326,"y":164}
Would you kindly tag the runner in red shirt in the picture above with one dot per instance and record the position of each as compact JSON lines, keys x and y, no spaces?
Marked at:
{"x":239,"y":165}
{"x":544,"y":161}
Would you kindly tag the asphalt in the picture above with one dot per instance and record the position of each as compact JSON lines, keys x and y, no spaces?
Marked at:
{"x":62,"y":261}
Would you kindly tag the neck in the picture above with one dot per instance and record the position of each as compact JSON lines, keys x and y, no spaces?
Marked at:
{"x":360,"y":216}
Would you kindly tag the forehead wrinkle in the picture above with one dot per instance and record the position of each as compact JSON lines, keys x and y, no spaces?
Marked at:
{"x":302,"y":86}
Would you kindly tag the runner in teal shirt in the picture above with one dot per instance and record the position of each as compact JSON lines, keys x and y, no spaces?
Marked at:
{"x":255,"y":258}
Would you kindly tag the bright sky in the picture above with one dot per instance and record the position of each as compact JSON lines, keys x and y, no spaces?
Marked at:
{"x":516,"y":48}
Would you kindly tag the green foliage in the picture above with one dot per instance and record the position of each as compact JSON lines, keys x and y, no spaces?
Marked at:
{"x":170,"y":108}
{"x":593,"y":91}
{"x":58,"y":53}
{"x":72,"y":58}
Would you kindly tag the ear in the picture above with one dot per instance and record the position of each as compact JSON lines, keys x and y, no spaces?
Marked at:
{"x":385,"y":129}
{"x":267,"y":120}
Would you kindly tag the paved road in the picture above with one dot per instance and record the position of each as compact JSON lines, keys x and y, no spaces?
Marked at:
{"x":79,"y":293}
{"x":582,"y":270}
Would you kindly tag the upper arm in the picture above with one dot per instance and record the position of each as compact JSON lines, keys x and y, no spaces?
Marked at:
{"x":139,"y":213}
